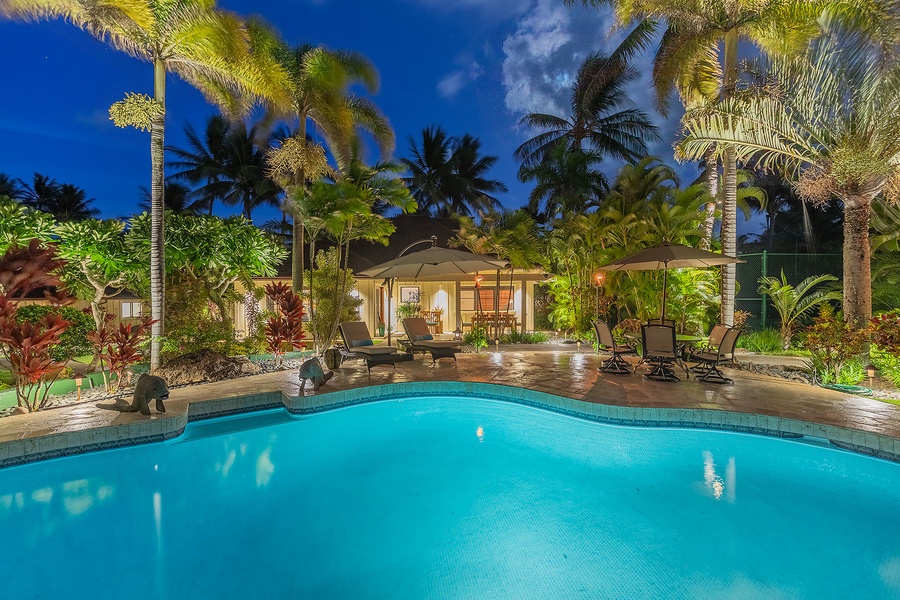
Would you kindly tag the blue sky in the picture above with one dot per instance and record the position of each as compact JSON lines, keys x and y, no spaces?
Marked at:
{"x":472,"y":66}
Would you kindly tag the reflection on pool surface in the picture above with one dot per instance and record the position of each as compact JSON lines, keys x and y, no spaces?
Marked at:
{"x":452,"y":498}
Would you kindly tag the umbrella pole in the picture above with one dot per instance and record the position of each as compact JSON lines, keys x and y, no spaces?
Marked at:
{"x":390,"y":287}
{"x":662,"y":321}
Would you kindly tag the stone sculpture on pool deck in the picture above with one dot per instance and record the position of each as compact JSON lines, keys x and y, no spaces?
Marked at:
{"x":149,"y":387}
{"x":312,"y":370}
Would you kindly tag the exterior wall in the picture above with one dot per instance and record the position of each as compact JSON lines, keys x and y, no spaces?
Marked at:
{"x":113,"y":307}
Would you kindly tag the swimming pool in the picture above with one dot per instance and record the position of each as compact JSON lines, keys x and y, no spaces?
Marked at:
{"x":451,"y":497}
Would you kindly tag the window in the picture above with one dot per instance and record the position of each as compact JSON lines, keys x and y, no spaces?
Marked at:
{"x":132,"y":310}
{"x":486,"y":299}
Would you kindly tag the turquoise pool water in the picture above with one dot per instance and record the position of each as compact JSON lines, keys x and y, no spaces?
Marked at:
{"x":451,"y":498}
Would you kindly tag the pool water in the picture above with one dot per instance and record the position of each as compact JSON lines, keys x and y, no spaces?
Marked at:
{"x":452,"y":498}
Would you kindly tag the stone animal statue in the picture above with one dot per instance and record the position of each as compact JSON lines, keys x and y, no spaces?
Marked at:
{"x":149,"y":387}
{"x":312,"y":370}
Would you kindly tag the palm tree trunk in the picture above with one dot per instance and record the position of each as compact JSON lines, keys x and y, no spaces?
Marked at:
{"x":729,"y":199}
{"x":712,"y":186}
{"x":298,"y":230}
{"x":857,"y":261}
{"x":157,"y":204}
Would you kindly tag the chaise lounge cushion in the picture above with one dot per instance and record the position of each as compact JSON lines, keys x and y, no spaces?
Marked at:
{"x":372,"y":350}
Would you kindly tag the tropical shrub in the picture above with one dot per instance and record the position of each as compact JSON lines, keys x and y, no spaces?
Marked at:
{"x":517,"y":337}
{"x":832,"y":343}
{"x":888,"y":364}
{"x":884,"y":330}
{"x":119,"y":347}
{"x":409,"y":310}
{"x":324,"y":299}
{"x":193,"y":322}
{"x":284,"y":329}
{"x":792,"y":303}
{"x":73,"y":341}
{"x":27,"y":346}
{"x":765,"y":340}
{"x":476,"y":338}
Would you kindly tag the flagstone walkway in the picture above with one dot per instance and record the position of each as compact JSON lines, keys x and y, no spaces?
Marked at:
{"x":566,"y":374}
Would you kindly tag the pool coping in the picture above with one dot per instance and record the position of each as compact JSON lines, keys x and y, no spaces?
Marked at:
{"x":29,"y":450}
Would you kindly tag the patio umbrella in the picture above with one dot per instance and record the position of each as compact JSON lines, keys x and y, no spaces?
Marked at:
{"x":667,"y":256}
{"x":431,"y":262}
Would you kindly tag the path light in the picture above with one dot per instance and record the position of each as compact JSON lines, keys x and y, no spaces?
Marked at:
{"x":457,"y":334}
{"x":870,"y":373}
{"x":497,"y":344}
{"x":78,"y":381}
{"x":578,"y":346}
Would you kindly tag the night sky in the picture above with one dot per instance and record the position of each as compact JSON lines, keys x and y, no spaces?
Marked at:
{"x":472,"y":66}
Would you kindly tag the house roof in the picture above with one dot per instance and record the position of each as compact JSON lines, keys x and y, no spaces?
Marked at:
{"x":410,"y":228}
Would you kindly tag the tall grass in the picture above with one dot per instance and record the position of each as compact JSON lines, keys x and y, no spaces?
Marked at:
{"x":764,"y":340}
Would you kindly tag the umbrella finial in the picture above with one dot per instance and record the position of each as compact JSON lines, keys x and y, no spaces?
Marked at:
{"x":433,"y":241}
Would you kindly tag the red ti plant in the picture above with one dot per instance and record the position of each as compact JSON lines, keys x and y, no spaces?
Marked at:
{"x":286,"y":327}
{"x":27,"y":345}
{"x":884,"y":330}
{"x":120,"y":346}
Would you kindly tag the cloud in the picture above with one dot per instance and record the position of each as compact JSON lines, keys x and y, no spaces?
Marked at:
{"x":451,"y":84}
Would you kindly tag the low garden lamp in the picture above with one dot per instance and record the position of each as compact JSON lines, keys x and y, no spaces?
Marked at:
{"x":78,"y":382}
{"x":870,"y":373}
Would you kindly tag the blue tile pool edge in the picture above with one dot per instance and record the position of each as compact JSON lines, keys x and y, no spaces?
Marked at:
{"x":137,"y":433}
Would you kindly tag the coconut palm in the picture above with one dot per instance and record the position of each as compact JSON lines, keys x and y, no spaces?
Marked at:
{"x":231,"y":162}
{"x":565,"y":182}
{"x":447,"y":174}
{"x":9,"y":187}
{"x":178,"y":199}
{"x":210,"y":48}
{"x":831,"y":120}
{"x":318,"y":93}
{"x":509,"y":235}
{"x":70,"y":203}
{"x":39,"y":193}
{"x":688,"y":59}
{"x":602,"y":117}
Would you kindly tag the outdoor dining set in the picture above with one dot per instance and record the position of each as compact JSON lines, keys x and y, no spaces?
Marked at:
{"x":661,"y":348}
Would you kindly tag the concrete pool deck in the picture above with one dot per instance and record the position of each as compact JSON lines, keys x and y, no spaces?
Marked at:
{"x":755,"y":403}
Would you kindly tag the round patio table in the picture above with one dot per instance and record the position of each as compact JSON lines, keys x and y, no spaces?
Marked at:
{"x":683,"y":342}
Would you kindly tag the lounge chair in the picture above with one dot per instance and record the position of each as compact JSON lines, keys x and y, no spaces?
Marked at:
{"x":359,"y":344}
{"x":661,"y":350}
{"x":607,"y":343}
{"x":419,"y":339}
{"x":713,"y":358}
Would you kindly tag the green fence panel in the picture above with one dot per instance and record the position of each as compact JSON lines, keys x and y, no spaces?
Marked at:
{"x":796,"y":267}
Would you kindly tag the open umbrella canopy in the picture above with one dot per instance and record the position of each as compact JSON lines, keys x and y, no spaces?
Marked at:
{"x":669,"y":256}
{"x":433,"y":262}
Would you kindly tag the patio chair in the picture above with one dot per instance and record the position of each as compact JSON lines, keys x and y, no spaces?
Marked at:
{"x":723,"y":354}
{"x":666,"y":322}
{"x":716,"y":334}
{"x":607,"y":343}
{"x":419,"y":339}
{"x":661,"y":350}
{"x":359,"y":344}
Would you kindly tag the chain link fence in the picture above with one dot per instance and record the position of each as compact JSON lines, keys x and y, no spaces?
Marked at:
{"x":796,"y":267}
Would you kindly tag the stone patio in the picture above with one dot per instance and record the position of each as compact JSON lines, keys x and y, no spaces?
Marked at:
{"x":753,"y":402}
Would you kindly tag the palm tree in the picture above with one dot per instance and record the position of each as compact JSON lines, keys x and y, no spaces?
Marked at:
{"x":39,"y":193}
{"x":10,"y":187}
{"x":447,"y":174}
{"x":688,"y":59}
{"x":202,"y":161}
{"x":318,"y":93}
{"x":602,"y":116}
{"x":209,"y":48}
{"x":509,"y":235}
{"x":793,"y":302}
{"x":70,"y":204}
{"x":231,"y":162}
{"x":565,"y":182}
{"x":830,"y":120}
{"x":177,"y":199}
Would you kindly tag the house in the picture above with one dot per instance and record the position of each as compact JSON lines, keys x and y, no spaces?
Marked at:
{"x":449,"y":303}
